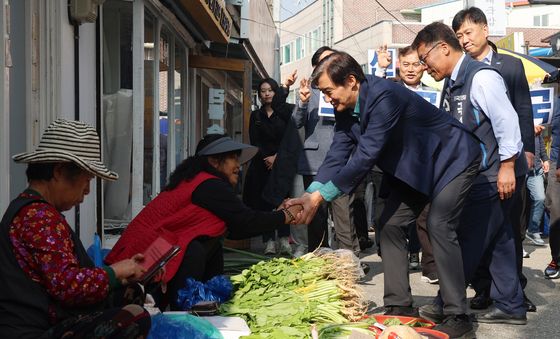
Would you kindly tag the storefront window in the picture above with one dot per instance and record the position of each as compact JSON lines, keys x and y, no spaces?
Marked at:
{"x":221,"y":102}
{"x":163,"y":83}
{"x":149,"y":59}
{"x":117,"y":108}
{"x":179,"y":101}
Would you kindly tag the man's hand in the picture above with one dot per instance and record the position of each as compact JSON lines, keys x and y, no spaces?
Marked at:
{"x":383,"y":57}
{"x":506,"y":178}
{"x":310,"y":203}
{"x":530,"y":159}
{"x":546,"y":166}
{"x":539,"y":129}
{"x":291,"y":79}
{"x":269,"y":161}
{"x":304,"y":90}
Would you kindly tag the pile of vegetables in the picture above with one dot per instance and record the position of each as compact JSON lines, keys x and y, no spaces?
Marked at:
{"x":280,"y":298}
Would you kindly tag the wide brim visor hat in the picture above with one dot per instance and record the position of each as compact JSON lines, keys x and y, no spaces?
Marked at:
{"x":70,"y":141}
{"x":227,"y":144}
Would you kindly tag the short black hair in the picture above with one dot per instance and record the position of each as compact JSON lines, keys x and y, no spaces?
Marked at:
{"x":472,"y":14}
{"x":315,"y":58}
{"x":406,"y":50}
{"x":45,"y":171}
{"x":434,"y":32}
{"x":338,"y":67}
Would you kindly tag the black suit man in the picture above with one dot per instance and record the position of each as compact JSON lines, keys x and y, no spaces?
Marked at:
{"x":429,"y":156}
{"x":471,"y":29}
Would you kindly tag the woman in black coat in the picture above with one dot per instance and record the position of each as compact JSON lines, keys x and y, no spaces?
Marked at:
{"x":267,"y":126}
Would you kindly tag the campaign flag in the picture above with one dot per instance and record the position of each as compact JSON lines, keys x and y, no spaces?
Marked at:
{"x":372,"y":62}
{"x":543,"y":105}
{"x":325,"y":108}
{"x":433,"y":97}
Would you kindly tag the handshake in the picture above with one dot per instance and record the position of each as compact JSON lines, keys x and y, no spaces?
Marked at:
{"x":301,"y":210}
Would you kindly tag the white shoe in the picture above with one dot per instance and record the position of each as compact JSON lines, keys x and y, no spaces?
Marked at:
{"x":535,"y":238}
{"x":285,"y":247}
{"x":525,"y":254}
{"x":270,"y":247}
{"x":300,"y":250}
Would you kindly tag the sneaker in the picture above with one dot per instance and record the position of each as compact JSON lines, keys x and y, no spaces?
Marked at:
{"x":414,"y":262}
{"x":430,"y":278}
{"x":285,"y":247}
{"x":365,"y":267}
{"x":433,"y":312}
{"x":300,"y":250}
{"x":525,"y":254}
{"x":497,"y":316}
{"x":457,"y":327}
{"x":535,"y":238}
{"x":552,"y":271}
{"x":270,"y":247}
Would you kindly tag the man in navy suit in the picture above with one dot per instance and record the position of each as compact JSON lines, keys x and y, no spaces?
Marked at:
{"x":428,"y":156}
{"x":471,"y":28}
{"x":476,"y":95}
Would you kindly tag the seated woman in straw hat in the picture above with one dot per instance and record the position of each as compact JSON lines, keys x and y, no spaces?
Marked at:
{"x":49,"y":287}
{"x":195,"y":210}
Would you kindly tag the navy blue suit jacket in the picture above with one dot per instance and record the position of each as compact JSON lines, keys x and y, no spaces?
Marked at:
{"x":513,"y":72}
{"x":407,"y":137}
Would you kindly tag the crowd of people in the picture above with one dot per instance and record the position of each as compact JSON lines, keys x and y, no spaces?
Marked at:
{"x":461,"y":182}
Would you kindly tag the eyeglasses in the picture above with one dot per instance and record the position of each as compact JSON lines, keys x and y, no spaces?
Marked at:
{"x":423,"y":58}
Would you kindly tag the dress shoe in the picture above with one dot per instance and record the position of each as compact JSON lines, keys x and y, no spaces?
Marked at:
{"x":497,"y":316}
{"x":433,"y":312}
{"x":480,"y":301}
{"x":405,"y":311}
{"x":457,"y":326}
{"x":529,"y":304}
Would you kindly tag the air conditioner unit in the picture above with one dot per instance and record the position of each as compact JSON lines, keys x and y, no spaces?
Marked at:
{"x":84,"y":10}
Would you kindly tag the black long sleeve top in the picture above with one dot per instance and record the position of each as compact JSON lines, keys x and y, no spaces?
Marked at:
{"x":218,"y":196}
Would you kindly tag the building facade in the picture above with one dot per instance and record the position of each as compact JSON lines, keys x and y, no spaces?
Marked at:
{"x":153,"y":76}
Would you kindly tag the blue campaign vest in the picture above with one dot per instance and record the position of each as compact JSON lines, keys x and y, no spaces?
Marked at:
{"x":475,"y":120}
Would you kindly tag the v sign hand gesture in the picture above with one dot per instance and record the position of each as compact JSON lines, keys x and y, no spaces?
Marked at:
{"x":304,"y":90}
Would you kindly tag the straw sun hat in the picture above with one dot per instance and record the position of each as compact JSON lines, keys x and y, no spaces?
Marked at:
{"x":69,"y":141}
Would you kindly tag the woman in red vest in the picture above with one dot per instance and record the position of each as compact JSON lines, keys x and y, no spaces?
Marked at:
{"x":195,"y":210}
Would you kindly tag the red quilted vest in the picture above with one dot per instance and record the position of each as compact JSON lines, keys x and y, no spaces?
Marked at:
{"x":173,"y":216}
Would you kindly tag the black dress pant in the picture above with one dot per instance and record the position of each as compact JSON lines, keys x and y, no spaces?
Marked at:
{"x":317,"y":230}
{"x":403,"y":207}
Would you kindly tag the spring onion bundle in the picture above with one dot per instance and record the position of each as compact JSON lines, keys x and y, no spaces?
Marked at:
{"x":280,"y":298}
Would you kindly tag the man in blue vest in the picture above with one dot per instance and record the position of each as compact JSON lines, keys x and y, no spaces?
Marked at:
{"x":428,"y":157}
{"x":476,"y":95}
{"x":471,"y":28}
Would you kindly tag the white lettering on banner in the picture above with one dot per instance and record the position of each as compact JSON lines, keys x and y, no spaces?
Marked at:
{"x":543,"y":105}
{"x":325,"y":108}
{"x":391,"y":71}
{"x":433,"y":97}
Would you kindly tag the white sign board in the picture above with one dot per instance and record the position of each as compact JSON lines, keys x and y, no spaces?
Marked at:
{"x":325,"y":108}
{"x":216,"y":98}
{"x":495,"y":11}
{"x":391,"y":71}
{"x":543,"y":105}
{"x":433,"y":97}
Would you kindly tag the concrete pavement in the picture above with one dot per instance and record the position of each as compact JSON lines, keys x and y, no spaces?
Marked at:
{"x":545,"y":293}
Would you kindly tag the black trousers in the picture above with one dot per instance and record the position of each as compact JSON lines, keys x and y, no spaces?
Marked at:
{"x":428,"y":261}
{"x":203,"y":260}
{"x":403,"y":207}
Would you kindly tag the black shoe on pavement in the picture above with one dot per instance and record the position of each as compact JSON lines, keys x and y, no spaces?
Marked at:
{"x":480,"y":301}
{"x":414,"y":261}
{"x":405,"y":311}
{"x":457,"y":327}
{"x":497,"y":316}
{"x":365,"y":243}
{"x":529,"y":304}
{"x":433,"y":312}
{"x":365,"y":267}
